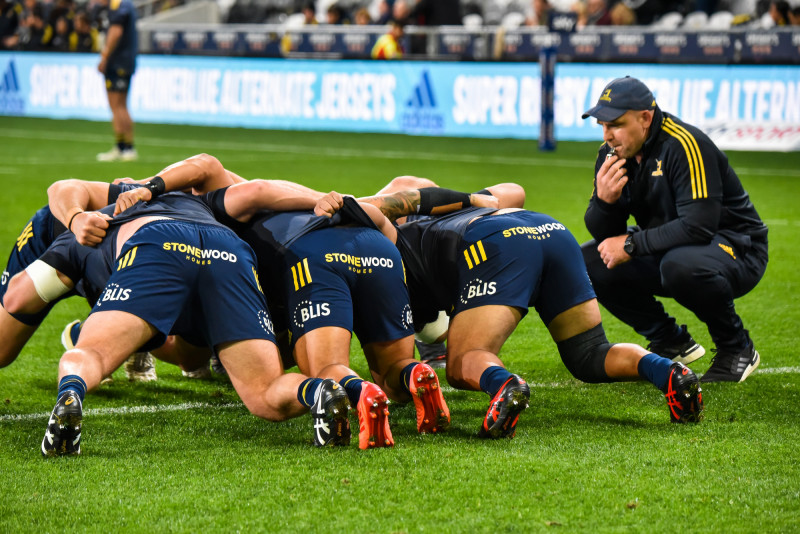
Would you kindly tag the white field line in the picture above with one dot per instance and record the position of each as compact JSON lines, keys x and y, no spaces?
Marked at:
{"x":125,"y":410}
{"x":333,"y":152}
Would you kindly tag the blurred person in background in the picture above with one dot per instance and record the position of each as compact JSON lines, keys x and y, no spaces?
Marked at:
{"x":83,"y":38}
{"x":592,"y":13}
{"x":539,"y":14}
{"x":60,"y":41}
{"x":779,"y":12}
{"x":335,"y":15}
{"x":310,"y":14}
{"x":390,"y":44}
{"x":622,"y":15}
{"x":362,"y":17}
{"x":794,"y":16}
{"x":117,"y":64}
{"x":9,"y":22}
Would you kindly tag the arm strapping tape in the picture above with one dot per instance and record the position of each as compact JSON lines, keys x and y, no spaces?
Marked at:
{"x":46,"y":281}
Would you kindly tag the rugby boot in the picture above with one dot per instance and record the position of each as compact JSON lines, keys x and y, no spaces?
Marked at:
{"x":373,"y":418}
{"x":63,"y":434}
{"x":434,"y":354}
{"x":683,"y":394}
{"x":684,"y":351}
{"x":732,"y":367}
{"x":432,"y":412}
{"x":503,"y":414}
{"x":140,"y":367}
{"x":331,"y":425}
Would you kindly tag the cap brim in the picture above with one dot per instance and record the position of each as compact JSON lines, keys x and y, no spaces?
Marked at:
{"x":604,"y":113}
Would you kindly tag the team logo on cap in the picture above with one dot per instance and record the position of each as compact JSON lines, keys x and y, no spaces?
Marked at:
{"x":606,"y":95}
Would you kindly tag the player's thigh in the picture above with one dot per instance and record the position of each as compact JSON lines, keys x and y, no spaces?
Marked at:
{"x":322,"y":347}
{"x":14,"y":335}
{"x":113,"y":336}
{"x":383,"y":356}
{"x":485,"y":328}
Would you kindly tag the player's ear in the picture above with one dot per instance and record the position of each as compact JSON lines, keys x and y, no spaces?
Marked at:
{"x":646,"y":117}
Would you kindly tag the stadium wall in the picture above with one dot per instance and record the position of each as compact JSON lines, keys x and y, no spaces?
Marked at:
{"x":743,"y":107}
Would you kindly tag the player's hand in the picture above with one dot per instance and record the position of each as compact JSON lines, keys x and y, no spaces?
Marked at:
{"x":101,"y":67}
{"x":131,"y":198}
{"x":483,"y":201}
{"x":329,"y":204}
{"x":610,"y":179}
{"x":612,"y":252}
{"x":89,"y":227}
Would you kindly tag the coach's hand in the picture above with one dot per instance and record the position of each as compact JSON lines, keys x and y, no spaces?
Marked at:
{"x":612,"y":252}
{"x":329,"y":204}
{"x":89,"y":227}
{"x":483,"y":201}
{"x":611,"y":179}
{"x":131,"y":198}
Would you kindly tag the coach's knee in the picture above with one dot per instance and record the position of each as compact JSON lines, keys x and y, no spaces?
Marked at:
{"x":584,"y":355}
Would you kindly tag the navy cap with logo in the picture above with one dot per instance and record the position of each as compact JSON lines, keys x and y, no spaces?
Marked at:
{"x":619,"y":96}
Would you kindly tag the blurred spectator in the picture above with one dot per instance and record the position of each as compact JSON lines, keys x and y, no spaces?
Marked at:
{"x":647,"y":11}
{"x":62,"y":8}
{"x":539,"y":14}
{"x":794,"y":16}
{"x":389,"y":45}
{"x":592,"y":13}
{"x":310,"y":13}
{"x":437,"y":12}
{"x":61,"y":31}
{"x":622,"y":15}
{"x":401,"y":11}
{"x":384,"y":12}
{"x":335,"y":14}
{"x":779,"y":12}
{"x":83,"y":38}
{"x":9,"y":22}
{"x":709,"y":7}
{"x":34,"y":33}
{"x":362,"y":17}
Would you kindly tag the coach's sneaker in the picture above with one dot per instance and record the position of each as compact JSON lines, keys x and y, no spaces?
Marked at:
{"x":118,"y":154}
{"x":732,"y":367}
{"x":432,"y":412}
{"x":69,"y":336}
{"x":685,"y":351}
{"x":140,"y":367}
{"x":331,"y":425}
{"x":373,"y":418}
{"x":128,"y":154}
{"x":63,"y":434}
{"x":503,"y":414}
{"x":683,"y":394}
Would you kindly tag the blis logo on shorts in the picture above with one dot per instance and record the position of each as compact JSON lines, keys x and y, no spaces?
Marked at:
{"x":406,"y":317}
{"x":307,"y":310}
{"x":114,"y":293}
{"x":266,"y":322}
{"x":477,"y":288}
{"x":4,"y":280}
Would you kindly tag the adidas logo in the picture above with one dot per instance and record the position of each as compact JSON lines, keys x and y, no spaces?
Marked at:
{"x":10,"y":101}
{"x":422,"y":96}
{"x":10,"y":83}
{"x":421,"y":114}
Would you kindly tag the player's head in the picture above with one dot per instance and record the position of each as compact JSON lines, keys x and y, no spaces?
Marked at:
{"x":625,"y":111}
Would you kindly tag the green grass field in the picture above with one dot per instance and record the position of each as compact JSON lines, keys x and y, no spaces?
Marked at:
{"x":184,"y":455}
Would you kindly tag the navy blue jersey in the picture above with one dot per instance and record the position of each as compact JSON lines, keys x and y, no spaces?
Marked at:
{"x":123,"y":13}
{"x":176,"y":205}
{"x":471,"y":258}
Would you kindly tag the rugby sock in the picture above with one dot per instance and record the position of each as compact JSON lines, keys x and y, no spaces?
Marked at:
{"x":493,"y":379}
{"x":307,"y":391}
{"x":74,"y":332}
{"x":655,"y":369}
{"x":352,"y":386}
{"x":405,"y":375}
{"x":73,"y":383}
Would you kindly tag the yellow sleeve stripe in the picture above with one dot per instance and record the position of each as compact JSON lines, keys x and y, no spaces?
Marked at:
{"x":483,"y":252}
{"x":697,"y":170}
{"x":466,"y":257}
{"x":294,"y":277}
{"x":308,"y":273}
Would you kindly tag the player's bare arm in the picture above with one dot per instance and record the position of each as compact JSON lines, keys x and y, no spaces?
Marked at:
{"x":74,"y":203}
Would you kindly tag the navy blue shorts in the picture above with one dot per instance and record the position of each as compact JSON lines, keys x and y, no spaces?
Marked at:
{"x":348,"y":277}
{"x":118,"y":79}
{"x":521,"y":259}
{"x":203,"y":275}
{"x":31,"y":243}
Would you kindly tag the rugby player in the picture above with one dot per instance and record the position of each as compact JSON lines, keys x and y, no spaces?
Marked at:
{"x":174,"y":263}
{"x":488,"y":267}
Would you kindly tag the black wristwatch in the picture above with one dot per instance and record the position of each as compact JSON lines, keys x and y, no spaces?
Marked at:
{"x":629,"y":247}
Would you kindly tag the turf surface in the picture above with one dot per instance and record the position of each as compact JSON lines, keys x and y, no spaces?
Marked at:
{"x":184,"y":455}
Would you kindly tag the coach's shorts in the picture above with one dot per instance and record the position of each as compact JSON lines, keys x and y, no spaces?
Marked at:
{"x":31,"y":243}
{"x":521,"y":259}
{"x":204,"y":274}
{"x":350,"y":277}
{"x":118,"y":79}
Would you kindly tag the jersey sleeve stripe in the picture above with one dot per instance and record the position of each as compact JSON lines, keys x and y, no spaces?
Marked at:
{"x":466,"y":257}
{"x":700,"y":165}
{"x":696,"y":167}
